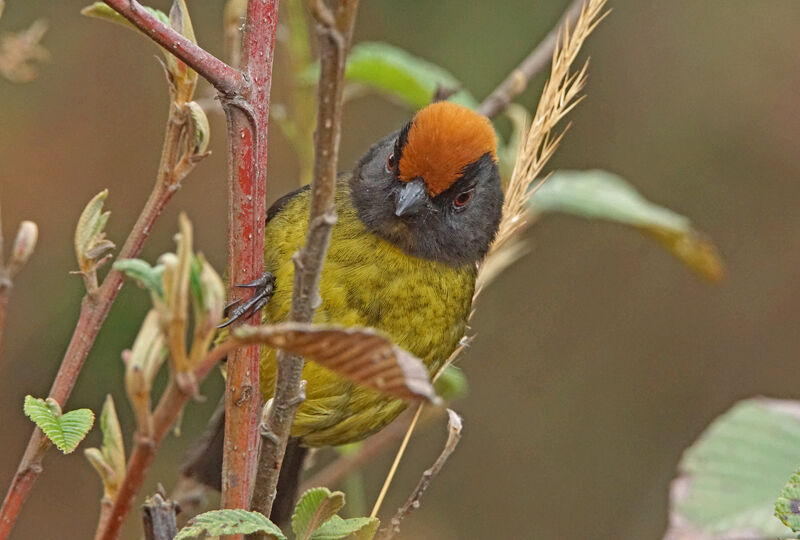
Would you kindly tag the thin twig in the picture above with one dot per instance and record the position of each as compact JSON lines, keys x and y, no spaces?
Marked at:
{"x":453,"y":437}
{"x":94,"y":309}
{"x":227,"y":80}
{"x":334,"y":29}
{"x":518,"y":79}
{"x":336,"y":471}
{"x":247,"y":119}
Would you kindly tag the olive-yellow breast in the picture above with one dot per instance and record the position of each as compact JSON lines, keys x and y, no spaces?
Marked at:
{"x":415,"y":217}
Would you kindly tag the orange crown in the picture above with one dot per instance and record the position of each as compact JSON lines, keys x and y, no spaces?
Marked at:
{"x":443,"y":139}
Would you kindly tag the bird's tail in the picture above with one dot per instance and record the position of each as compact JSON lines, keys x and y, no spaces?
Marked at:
{"x":203,"y":463}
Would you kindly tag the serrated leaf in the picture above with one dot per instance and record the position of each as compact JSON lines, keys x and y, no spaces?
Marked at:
{"x":315,"y":507}
{"x":787,"y":507}
{"x":360,"y":528}
{"x":729,"y":478}
{"x":145,"y":275}
{"x":225,"y":522}
{"x":65,"y":430}
{"x":101,"y":10}
{"x":597,"y":194}
{"x":398,"y":74}
{"x":359,"y":354}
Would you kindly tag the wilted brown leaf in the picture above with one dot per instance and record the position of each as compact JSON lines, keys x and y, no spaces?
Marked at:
{"x":358,"y":354}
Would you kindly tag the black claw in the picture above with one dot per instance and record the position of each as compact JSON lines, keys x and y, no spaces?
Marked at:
{"x":264,"y":286}
{"x":265,"y":281}
{"x":228,"y":307}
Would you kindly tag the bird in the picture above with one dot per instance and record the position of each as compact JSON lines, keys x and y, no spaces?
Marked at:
{"x":415,"y":217}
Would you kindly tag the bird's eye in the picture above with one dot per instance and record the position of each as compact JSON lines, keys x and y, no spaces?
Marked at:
{"x":462,"y":198}
{"x":390,"y":162}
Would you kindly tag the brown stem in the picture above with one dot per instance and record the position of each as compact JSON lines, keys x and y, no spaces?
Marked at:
{"x":518,"y":79}
{"x":248,"y":117}
{"x":453,"y":437}
{"x":158,"y":516}
{"x":334,"y":27}
{"x":145,"y":447}
{"x":227,"y":80}
{"x":106,"y":505}
{"x":94,"y":309}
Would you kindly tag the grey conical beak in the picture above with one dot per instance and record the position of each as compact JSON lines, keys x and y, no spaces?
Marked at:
{"x":411,"y":198}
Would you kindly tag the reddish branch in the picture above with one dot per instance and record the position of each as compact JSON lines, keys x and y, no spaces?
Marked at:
{"x":223,"y":77}
{"x":246,"y":99}
{"x":248,"y":116}
{"x":94,"y":309}
{"x":145,"y":447}
{"x":334,"y":27}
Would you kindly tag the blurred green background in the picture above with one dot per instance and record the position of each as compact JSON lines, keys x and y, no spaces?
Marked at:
{"x":598,"y":357}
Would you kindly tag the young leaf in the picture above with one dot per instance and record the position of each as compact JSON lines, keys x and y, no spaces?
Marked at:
{"x":398,"y":74}
{"x":109,"y":460}
{"x":359,"y":354}
{"x":91,"y":244}
{"x":145,"y":275}
{"x":315,"y":507}
{"x":730,"y":477}
{"x":360,"y":528}
{"x":66,"y":431}
{"x":225,"y":522}
{"x":787,"y":507}
{"x":101,"y":10}
{"x":451,"y":384}
{"x":597,"y":194}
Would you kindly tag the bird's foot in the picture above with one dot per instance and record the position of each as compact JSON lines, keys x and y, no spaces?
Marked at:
{"x":262,"y":292}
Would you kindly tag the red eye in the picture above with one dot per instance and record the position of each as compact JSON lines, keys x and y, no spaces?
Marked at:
{"x":390,"y":162}
{"x":462,"y":198}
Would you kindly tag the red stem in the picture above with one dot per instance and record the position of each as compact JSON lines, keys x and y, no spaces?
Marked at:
{"x":247,"y":139}
{"x":145,"y":448}
{"x":224,"y":78}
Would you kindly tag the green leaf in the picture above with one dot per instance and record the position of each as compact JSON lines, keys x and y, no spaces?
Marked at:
{"x":730,"y":477}
{"x":597,"y":194}
{"x":225,"y":522}
{"x":109,"y":460}
{"x":145,"y":275}
{"x":101,"y":10}
{"x":451,"y":384}
{"x":398,"y":74}
{"x":315,"y":507}
{"x":787,"y":507}
{"x":360,"y":528}
{"x":91,"y":244}
{"x":66,"y":431}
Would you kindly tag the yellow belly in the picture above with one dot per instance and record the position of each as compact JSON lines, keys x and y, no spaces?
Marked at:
{"x":421,"y":305}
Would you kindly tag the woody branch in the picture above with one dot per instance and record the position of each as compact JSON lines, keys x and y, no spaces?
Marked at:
{"x":334,"y":28}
